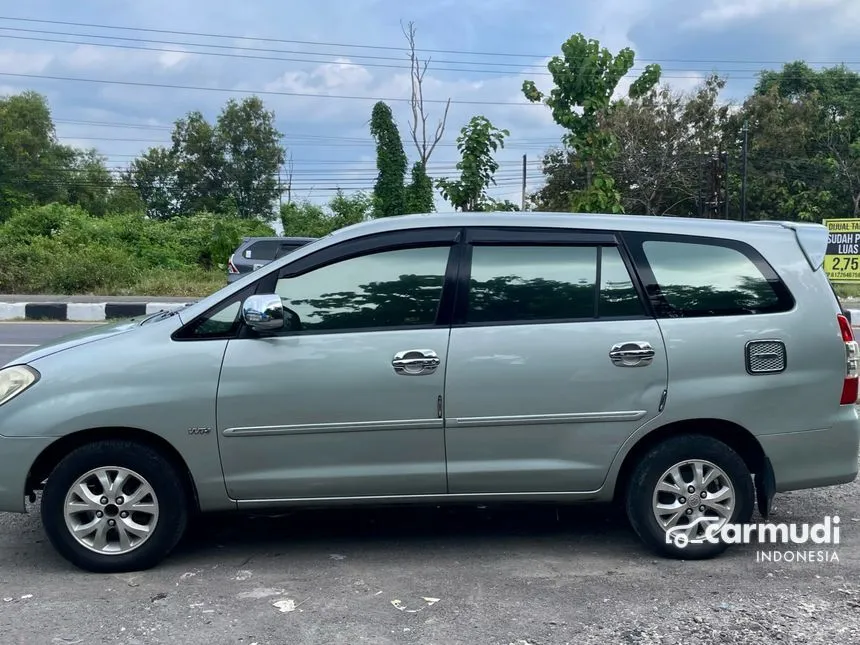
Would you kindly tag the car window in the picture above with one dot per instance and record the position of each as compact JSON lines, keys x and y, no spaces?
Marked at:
{"x":222,"y":321}
{"x":286,"y":249}
{"x":618,"y":295}
{"x":701,"y":279}
{"x":396,"y":288}
{"x":262,"y":250}
{"x":541,"y":282}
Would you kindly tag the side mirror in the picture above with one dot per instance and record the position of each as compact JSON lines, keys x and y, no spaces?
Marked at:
{"x":263,"y":312}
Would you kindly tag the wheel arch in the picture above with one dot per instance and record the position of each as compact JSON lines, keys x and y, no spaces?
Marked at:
{"x":735,"y":436}
{"x":48,"y":459}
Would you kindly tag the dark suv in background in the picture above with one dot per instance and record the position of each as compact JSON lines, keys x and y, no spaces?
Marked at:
{"x":256,"y":252}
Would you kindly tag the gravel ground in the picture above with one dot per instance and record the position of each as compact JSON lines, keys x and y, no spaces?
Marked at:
{"x":521,"y":576}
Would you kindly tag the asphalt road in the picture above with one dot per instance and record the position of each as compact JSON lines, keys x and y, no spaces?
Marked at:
{"x":16,"y":338}
{"x":520,"y":576}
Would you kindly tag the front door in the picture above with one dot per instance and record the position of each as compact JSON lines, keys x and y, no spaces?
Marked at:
{"x":347,"y":401}
{"x":553,"y":363}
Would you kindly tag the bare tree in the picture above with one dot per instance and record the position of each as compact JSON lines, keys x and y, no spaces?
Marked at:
{"x":418,"y":124}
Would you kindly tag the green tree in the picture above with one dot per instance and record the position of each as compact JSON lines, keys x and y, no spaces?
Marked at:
{"x":804,"y":134}
{"x":230,"y":167}
{"x":389,"y":193}
{"x":90,"y":184}
{"x":350,"y":209}
{"x":304,"y":219}
{"x":563,"y":177}
{"x":153,"y":175}
{"x":477,"y":143}
{"x":585,"y":79}
{"x":200,"y":166}
{"x":250,"y":146}
{"x":32,"y":163}
{"x":661,"y":140}
{"x":419,"y":192}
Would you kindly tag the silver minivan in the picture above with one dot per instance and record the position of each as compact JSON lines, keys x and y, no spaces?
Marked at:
{"x":687,"y":369}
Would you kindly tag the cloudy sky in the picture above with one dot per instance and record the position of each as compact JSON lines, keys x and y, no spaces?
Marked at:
{"x":320,"y":65}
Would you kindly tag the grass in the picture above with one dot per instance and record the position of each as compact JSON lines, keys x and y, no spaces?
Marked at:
{"x":180,"y":283}
{"x":850,"y":291}
{"x":192,"y":283}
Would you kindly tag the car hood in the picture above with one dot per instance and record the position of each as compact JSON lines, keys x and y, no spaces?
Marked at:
{"x":76,"y":339}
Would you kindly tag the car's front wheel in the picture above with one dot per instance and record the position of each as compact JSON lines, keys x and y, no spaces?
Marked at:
{"x":683,"y":494}
{"x":113,"y":506}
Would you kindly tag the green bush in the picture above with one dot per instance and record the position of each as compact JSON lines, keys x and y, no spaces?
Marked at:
{"x":63,"y":250}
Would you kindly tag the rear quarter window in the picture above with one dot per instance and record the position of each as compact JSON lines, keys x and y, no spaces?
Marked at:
{"x":702,"y":278}
{"x":263,"y":250}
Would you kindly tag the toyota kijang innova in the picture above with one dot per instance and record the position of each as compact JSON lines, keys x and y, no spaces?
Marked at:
{"x":688,"y":369}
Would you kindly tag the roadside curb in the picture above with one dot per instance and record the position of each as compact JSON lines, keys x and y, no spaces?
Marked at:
{"x":82,"y":311}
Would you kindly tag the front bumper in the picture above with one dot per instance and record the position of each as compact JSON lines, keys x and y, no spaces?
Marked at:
{"x":17,"y":455}
{"x":815,"y":458}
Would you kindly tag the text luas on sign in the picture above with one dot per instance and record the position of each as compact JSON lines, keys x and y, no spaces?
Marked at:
{"x":846,"y":243}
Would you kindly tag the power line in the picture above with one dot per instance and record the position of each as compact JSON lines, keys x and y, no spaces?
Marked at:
{"x":382,"y":47}
{"x":263,"y":92}
{"x":251,"y":49}
{"x":112,"y":124}
{"x":300,"y":141}
{"x":306,"y":144}
{"x":634,"y":71}
{"x":259,"y":57}
{"x":350,"y":162}
{"x":511,"y":69}
{"x":287,"y":137}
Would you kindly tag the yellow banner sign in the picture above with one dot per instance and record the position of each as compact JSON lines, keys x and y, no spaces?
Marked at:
{"x":842,"y":262}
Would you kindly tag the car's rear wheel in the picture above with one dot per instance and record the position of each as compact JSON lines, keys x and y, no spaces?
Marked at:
{"x":113,"y":506}
{"x":684,"y":491}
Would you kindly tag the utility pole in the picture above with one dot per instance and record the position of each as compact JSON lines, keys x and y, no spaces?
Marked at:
{"x":725,"y":158}
{"x":711,"y":186}
{"x":524,"y":184}
{"x":745,"y":130}
{"x":716,"y":190}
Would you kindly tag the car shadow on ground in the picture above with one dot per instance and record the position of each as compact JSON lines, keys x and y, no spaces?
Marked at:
{"x":374,"y":528}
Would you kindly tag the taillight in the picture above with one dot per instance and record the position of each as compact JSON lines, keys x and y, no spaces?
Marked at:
{"x":231,"y":268}
{"x":852,"y":359}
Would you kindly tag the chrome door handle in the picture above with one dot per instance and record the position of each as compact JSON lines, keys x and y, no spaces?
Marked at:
{"x":415,"y":362}
{"x":632,"y":354}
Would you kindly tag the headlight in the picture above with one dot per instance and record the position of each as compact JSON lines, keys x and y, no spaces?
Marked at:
{"x":16,"y":379}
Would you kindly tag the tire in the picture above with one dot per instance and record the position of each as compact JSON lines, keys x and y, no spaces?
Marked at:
{"x":104,"y":547}
{"x":732,"y":475}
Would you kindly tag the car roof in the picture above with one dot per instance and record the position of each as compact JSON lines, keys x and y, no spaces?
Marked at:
{"x":596,"y":221}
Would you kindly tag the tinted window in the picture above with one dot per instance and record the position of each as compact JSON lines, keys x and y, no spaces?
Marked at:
{"x":387,"y":289}
{"x":264,"y":250}
{"x":700,"y":279}
{"x":511,"y":283}
{"x":618,"y":296}
{"x":221,"y":322}
{"x":285,"y":249}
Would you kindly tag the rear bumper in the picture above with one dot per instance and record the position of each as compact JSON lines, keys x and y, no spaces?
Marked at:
{"x":815,"y":458}
{"x":16,"y":457}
